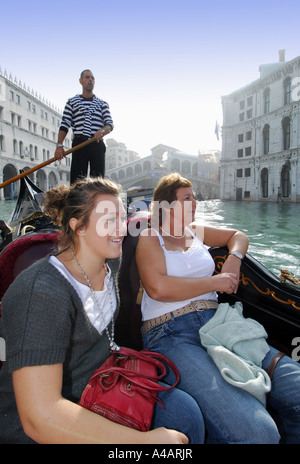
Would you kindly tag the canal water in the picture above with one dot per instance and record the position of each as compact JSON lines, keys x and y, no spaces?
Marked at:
{"x":273,"y":229}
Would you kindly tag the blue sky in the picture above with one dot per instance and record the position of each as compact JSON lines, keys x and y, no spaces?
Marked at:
{"x":161,"y":65}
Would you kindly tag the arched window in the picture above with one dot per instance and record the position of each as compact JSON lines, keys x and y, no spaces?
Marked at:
{"x":266,"y":139}
{"x":265,"y":183}
{"x":175,"y":165}
{"x":186,"y":167}
{"x":285,"y":180}
{"x":121,"y":174}
{"x":147,"y":166}
{"x":286,"y":133}
{"x":267,"y":96}
{"x":138,"y":169}
{"x":287,"y":91}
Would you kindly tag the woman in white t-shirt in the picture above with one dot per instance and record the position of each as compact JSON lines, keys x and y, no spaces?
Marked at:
{"x":180,"y":296}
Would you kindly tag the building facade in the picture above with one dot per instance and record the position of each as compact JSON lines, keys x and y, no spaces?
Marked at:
{"x":261,"y":137}
{"x":28,"y":136}
{"x":117,"y":154}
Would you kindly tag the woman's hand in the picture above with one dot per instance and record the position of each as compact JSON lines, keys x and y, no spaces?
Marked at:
{"x":49,"y":418}
{"x":232,"y":265}
{"x":226,"y":282}
{"x":166,"y":437}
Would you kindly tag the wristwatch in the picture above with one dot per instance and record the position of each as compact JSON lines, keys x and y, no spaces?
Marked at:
{"x":59,"y":145}
{"x":237,"y":254}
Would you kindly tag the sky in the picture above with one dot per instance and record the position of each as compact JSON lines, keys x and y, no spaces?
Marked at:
{"x":162,"y":65}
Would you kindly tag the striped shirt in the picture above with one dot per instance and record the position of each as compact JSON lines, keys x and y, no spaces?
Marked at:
{"x":85,"y":116}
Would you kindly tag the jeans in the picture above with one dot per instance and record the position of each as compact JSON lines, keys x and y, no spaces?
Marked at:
{"x":231,"y":414}
{"x":181,"y":413}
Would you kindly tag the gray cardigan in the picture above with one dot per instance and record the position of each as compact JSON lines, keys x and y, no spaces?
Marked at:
{"x":44,"y":322}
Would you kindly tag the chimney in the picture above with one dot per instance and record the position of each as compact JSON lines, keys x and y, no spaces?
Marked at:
{"x":281,"y":56}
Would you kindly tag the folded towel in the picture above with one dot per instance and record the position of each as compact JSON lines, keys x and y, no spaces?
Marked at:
{"x":238,"y":346}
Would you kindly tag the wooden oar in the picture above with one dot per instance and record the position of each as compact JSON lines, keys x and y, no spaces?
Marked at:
{"x":45,"y":163}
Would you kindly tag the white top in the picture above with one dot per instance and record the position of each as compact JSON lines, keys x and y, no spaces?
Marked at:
{"x":105,"y":297}
{"x":195,"y":262}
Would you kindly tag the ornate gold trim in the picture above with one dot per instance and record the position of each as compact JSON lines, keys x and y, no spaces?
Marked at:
{"x":246,"y":281}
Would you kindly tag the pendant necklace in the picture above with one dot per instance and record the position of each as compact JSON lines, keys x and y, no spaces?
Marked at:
{"x":113,"y":346}
{"x":173,"y":236}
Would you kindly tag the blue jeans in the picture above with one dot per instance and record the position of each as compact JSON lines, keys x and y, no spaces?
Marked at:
{"x":231,"y":414}
{"x":181,"y":413}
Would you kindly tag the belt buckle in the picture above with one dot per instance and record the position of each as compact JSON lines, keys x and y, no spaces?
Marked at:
{"x":201,"y":305}
{"x":195,"y":305}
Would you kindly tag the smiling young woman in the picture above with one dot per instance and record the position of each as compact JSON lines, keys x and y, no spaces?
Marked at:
{"x":58,"y":320}
{"x":180,"y":297}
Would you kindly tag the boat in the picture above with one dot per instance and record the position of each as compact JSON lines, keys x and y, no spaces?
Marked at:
{"x":27,"y":215}
{"x":272,"y":300}
{"x":138,"y":199}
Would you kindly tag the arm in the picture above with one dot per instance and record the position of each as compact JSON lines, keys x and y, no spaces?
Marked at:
{"x":235,"y":241}
{"x":47,"y":417}
{"x":159,"y":286}
{"x":60,"y":152}
{"x":102,"y":132}
{"x":107,"y":120}
{"x":65,"y":125}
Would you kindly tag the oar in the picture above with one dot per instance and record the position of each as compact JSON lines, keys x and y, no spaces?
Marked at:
{"x":45,"y":163}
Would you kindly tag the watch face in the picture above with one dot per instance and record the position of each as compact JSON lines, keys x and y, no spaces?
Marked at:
{"x":237,"y":254}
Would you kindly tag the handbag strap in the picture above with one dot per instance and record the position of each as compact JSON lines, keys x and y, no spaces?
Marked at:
{"x":156,"y":358}
{"x":274,"y":362}
{"x":154,"y":355}
{"x":140,"y":378}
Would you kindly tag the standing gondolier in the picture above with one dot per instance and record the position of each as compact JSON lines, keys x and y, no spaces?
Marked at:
{"x":88,"y":116}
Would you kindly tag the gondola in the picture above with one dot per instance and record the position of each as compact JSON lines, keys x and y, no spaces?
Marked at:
{"x":27,"y":215}
{"x":271,"y":300}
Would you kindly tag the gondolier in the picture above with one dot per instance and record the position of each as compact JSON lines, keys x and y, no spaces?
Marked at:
{"x":88,"y":116}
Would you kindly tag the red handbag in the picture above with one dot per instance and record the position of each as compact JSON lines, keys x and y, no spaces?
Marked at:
{"x":124,"y":389}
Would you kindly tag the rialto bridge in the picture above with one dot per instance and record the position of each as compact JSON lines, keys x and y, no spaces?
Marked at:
{"x":146,"y":172}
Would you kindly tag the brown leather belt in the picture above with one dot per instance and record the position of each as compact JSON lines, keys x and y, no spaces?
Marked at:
{"x":191,"y":307}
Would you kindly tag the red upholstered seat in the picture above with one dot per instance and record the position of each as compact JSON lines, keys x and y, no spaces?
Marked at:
{"x":21,"y":253}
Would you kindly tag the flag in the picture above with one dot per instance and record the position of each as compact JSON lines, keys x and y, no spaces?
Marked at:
{"x":217,"y":130}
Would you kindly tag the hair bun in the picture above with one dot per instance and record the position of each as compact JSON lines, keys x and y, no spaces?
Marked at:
{"x":54,"y":201}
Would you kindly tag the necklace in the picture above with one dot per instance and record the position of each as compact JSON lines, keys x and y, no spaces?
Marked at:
{"x":173,"y":236}
{"x":113,"y":346}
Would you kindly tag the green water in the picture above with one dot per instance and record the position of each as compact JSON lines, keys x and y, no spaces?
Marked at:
{"x":273,"y":229}
{"x":6,"y":208}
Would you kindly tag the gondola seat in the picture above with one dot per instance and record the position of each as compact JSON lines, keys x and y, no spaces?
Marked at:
{"x":21,"y":253}
{"x":129,"y":321}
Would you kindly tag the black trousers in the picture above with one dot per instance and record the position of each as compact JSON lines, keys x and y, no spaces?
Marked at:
{"x":93,"y":155}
